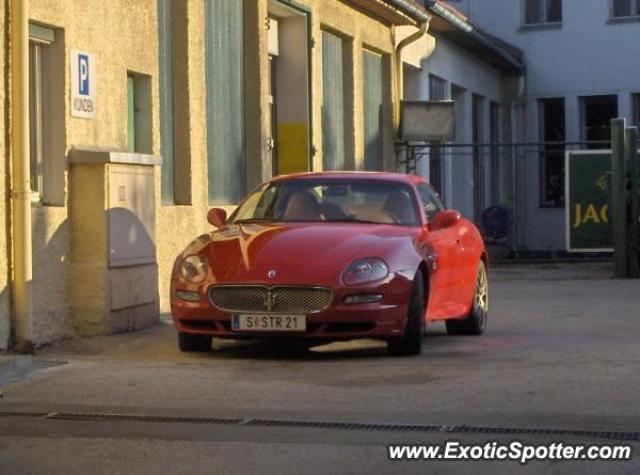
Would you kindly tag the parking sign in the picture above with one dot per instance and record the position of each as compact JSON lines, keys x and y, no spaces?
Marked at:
{"x":84,"y":83}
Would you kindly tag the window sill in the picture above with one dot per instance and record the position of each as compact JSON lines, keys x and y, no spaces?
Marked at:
{"x":173,"y":205}
{"x":623,"y":19}
{"x":540,"y":27}
{"x":39,"y":203}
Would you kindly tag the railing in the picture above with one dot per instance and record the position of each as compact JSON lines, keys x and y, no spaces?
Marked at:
{"x":517,"y":176}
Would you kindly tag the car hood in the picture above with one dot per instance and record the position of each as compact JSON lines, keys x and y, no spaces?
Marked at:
{"x":297,"y":252}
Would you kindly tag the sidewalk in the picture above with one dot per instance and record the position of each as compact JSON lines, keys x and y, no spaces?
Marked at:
{"x":14,"y":367}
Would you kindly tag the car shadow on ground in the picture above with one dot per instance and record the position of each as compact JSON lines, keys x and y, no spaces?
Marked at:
{"x":274,"y":349}
{"x":294,"y":350}
{"x":159,"y":343}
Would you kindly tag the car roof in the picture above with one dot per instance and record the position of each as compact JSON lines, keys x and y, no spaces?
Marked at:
{"x":386,"y":176}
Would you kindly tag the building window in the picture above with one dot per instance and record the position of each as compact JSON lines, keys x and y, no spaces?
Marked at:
{"x":552,"y":136}
{"x":46,"y":115}
{"x":537,"y":12}
{"x":625,"y":8}
{"x":373,"y":98}
{"x":333,"y":102}
{"x":636,"y":109}
{"x":477,"y":125}
{"x":224,"y":51}
{"x":596,"y":113}
{"x":139,"y":120}
{"x":494,"y":138}
{"x":437,"y":92}
{"x":36,"y":121}
{"x":167,"y":150}
{"x":437,"y":88}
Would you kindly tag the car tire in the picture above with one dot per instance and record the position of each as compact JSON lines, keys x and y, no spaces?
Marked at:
{"x":410,"y":343}
{"x":192,"y":342}
{"x":476,"y":321}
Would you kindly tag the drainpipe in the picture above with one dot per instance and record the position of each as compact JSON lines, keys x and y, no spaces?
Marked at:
{"x":424,"y":26}
{"x":21,"y":180}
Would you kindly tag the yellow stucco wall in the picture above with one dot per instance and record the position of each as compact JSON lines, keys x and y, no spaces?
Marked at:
{"x":4,"y":163}
{"x":122,"y":36}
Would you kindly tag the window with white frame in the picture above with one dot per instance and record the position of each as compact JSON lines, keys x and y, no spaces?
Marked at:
{"x":625,"y":8}
{"x":636,"y":109}
{"x":540,"y":12}
{"x":46,"y":114}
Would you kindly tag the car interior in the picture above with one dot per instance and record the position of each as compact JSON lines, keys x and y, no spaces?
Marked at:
{"x":395,"y":208}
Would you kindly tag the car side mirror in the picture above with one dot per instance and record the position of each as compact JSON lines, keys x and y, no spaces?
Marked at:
{"x":217,"y":217}
{"x":444,"y":219}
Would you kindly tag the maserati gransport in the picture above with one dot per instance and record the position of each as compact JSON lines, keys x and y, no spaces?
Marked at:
{"x":320,"y":257}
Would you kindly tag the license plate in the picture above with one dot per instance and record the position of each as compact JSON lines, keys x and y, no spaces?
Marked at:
{"x":269,"y":323}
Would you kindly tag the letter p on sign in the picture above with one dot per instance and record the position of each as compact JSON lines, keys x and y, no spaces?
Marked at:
{"x":83,"y":74}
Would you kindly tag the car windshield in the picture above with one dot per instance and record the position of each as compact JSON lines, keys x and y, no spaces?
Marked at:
{"x":330,"y":200}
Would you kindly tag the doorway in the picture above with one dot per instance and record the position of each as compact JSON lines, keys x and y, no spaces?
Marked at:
{"x":290,"y":125}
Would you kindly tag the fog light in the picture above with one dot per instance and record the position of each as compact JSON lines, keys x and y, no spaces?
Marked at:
{"x":188,"y":296}
{"x":363,"y":298}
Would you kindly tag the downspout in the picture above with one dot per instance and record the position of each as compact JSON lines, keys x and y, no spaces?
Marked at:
{"x":424,"y":26}
{"x":21,"y":179}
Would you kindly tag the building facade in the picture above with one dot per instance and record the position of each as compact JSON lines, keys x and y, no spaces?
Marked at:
{"x":583,"y":65}
{"x":206,"y":97}
{"x":480,"y":74}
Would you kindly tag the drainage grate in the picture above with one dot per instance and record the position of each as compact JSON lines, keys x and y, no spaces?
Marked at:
{"x":355,"y":426}
{"x":23,"y":414}
{"x":457,"y":429}
{"x":100,"y":417}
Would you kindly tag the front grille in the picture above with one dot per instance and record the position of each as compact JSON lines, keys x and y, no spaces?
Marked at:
{"x":260,"y":299}
{"x":199,"y":324}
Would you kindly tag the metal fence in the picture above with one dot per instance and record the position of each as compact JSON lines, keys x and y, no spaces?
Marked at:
{"x":520,"y":178}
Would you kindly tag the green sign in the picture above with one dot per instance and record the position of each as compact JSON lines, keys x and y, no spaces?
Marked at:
{"x":588,"y":195}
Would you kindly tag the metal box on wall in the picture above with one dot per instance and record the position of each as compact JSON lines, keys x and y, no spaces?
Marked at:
{"x":114,"y":276}
{"x":131,"y":216}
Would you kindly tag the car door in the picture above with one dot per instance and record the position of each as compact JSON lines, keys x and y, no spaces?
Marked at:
{"x":444,"y":243}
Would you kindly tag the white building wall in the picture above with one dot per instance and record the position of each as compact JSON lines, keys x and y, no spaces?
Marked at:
{"x":587,"y":55}
{"x":474,"y":76}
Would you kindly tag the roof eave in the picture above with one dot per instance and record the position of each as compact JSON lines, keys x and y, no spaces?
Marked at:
{"x":393,"y":12}
{"x":464,"y":32}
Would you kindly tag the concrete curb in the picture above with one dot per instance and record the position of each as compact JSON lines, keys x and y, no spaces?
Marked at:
{"x":13,"y":367}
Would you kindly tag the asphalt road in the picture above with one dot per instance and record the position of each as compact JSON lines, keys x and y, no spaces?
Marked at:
{"x":561,"y":353}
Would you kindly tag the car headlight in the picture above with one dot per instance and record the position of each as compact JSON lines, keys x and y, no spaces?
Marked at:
{"x":193,"y":268}
{"x":365,"y":270}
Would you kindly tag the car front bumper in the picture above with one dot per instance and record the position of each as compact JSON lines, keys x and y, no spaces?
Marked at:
{"x":339,"y":320}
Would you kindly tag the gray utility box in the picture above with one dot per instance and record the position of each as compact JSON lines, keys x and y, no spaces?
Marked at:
{"x":114,"y":271}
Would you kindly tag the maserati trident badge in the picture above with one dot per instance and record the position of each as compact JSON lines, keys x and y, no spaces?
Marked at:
{"x":270,"y":300}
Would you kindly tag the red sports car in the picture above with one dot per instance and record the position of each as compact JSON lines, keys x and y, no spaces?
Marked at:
{"x":332,"y":256}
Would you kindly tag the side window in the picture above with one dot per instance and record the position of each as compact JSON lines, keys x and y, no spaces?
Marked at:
{"x":430,"y":201}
